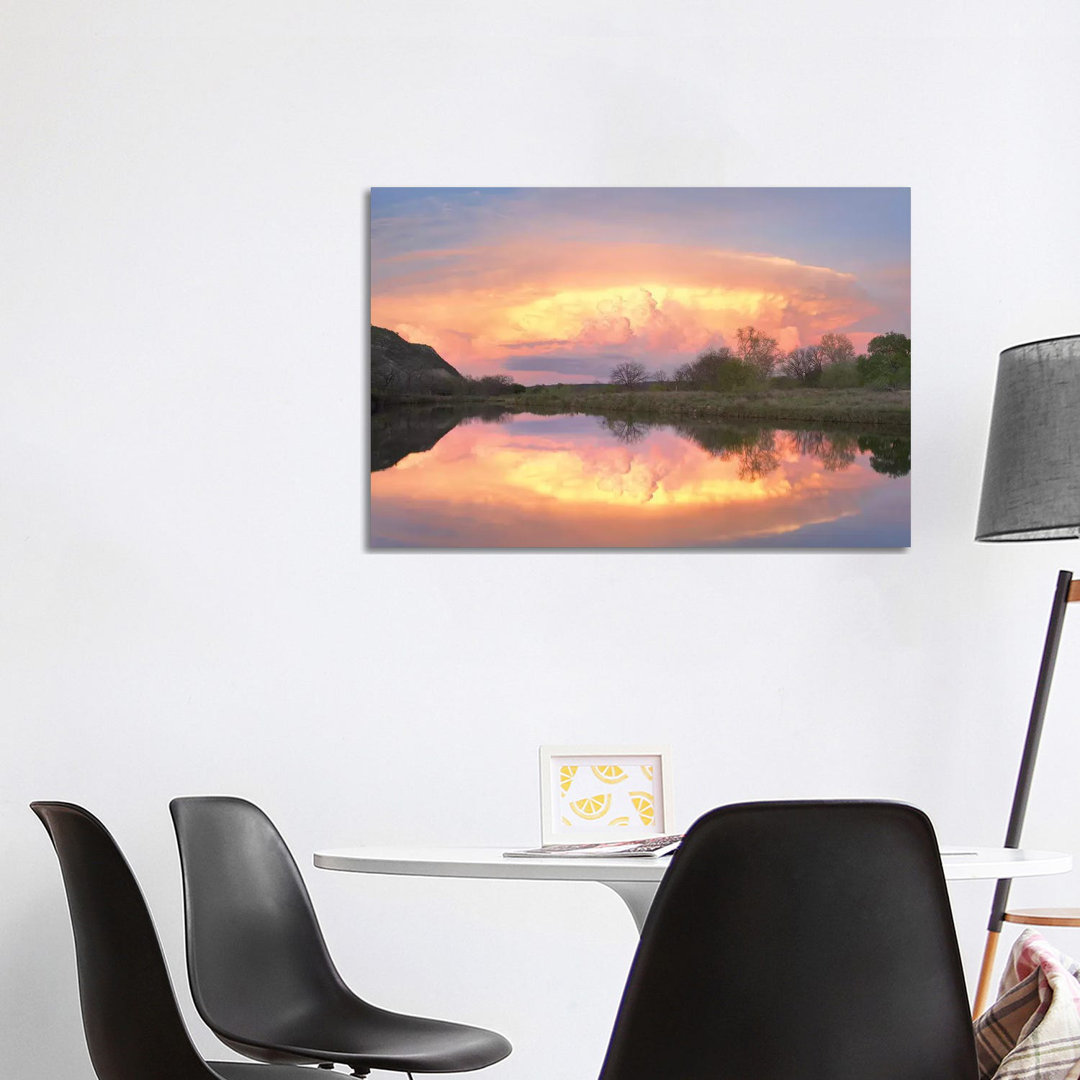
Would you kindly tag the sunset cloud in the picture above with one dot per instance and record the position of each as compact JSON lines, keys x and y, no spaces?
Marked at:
{"x":565,"y":283}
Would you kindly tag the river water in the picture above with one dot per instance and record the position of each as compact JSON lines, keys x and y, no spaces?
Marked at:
{"x":451,"y":478}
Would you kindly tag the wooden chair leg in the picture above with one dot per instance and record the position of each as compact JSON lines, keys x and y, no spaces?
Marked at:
{"x":982,"y":991}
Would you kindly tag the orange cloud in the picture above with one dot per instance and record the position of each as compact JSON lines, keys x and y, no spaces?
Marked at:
{"x":576,"y":306}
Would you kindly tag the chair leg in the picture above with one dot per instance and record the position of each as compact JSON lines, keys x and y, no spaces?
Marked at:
{"x":982,"y":992}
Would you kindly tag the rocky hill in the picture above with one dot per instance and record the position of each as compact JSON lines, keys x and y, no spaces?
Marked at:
{"x":399,"y":367}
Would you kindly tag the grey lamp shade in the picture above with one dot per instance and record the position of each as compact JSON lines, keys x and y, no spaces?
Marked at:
{"x":1031,"y":486}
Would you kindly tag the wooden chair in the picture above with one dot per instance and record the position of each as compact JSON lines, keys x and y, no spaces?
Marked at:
{"x":1050,"y":916}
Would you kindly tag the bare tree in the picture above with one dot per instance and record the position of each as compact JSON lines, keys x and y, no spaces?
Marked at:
{"x":803,"y":364}
{"x":835,"y":348}
{"x":660,"y":376}
{"x":754,"y":347}
{"x":629,"y":373}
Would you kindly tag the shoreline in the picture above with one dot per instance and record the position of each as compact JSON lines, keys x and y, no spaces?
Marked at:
{"x":877,"y":408}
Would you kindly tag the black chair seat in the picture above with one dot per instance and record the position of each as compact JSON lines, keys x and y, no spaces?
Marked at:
{"x":245,"y":1070}
{"x":363,"y":1037}
{"x":260,"y":973}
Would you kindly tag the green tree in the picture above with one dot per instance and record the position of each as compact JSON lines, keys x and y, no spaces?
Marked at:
{"x":887,"y":363}
{"x":684,"y":376}
{"x":720,"y":369}
{"x":840,"y":375}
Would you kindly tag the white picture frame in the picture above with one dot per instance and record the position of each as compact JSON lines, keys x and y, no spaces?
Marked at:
{"x":596,"y":793}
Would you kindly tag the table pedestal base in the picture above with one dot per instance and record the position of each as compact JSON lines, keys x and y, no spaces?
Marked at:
{"x":637,"y":896}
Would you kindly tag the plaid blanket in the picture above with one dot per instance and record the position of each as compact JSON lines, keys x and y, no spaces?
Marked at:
{"x":1032,"y":1031}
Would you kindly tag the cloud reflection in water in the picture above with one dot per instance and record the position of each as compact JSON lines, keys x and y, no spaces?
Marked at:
{"x":589,"y":482}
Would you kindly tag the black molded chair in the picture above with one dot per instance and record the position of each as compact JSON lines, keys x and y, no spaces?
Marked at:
{"x":798,"y":941}
{"x":133,"y":1026}
{"x":259,"y":969}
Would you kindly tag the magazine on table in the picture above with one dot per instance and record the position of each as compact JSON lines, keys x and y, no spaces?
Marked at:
{"x":649,"y":847}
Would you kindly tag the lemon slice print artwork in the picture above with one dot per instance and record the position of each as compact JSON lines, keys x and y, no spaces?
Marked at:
{"x":566,"y":777}
{"x":643,"y":804}
{"x":609,"y":774}
{"x":592,"y":808}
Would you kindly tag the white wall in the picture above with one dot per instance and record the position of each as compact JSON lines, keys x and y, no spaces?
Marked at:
{"x":186,"y":601}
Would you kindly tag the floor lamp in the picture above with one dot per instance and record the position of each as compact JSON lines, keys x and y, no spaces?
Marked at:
{"x":1031,"y":491}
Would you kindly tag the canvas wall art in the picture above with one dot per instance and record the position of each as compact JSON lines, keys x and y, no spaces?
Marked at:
{"x":586,"y":368}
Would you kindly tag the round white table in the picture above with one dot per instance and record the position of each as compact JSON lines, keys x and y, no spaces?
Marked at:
{"x":636,"y":879}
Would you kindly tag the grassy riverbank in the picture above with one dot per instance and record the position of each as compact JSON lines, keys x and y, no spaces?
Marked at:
{"x":889,"y":409}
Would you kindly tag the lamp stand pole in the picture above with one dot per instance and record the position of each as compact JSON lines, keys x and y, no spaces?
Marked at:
{"x":1065,"y":592}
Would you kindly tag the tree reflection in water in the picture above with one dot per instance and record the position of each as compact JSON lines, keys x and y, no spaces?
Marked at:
{"x":757,"y":450}
{"x":557,"y":479}
{"x":889,"y":454}
{"x":625,"y":428}
{"x":757,"y":460}
{"x":835,"y":450}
